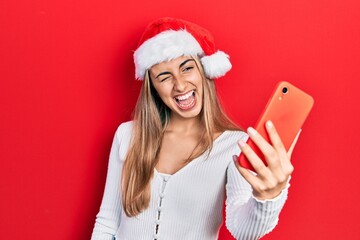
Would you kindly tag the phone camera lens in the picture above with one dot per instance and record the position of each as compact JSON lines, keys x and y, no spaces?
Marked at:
{"x":285,"y":90}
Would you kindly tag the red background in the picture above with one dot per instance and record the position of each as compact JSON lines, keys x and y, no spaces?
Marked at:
{"x":67,"y":82}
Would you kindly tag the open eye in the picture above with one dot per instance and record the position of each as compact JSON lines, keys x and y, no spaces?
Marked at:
{"x":186,"y":69}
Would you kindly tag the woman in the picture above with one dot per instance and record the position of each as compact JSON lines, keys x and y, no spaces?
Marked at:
{"x":171,"y":169}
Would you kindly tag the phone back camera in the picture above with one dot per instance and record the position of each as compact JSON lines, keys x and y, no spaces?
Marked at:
{"x":285,"y":90}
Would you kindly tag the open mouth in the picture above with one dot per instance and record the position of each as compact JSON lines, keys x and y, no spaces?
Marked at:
{"x":186,"y":101}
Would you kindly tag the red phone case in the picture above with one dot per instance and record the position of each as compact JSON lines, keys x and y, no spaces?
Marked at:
{"x":288,"y":109}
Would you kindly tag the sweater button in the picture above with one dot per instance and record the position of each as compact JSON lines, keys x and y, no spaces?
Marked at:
{"x":161,"y":195}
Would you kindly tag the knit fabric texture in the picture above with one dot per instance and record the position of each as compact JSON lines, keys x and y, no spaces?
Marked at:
{"x":188,"y":204}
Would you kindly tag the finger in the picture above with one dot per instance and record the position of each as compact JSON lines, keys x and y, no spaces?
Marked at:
{"x":291,"y":149}
{"x":269,"y":152}
{"x":254,"y":159}
{"x":275,"y":139}
{"x":249,"y":176}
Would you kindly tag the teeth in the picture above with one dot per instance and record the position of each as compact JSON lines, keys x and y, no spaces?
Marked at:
{"x":183,"y":97}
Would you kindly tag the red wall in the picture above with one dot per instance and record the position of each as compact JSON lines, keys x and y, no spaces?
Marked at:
{"x":67,"y":82}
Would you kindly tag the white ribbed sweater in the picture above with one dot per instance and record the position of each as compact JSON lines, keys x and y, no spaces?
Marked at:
{"x":188,"y":204}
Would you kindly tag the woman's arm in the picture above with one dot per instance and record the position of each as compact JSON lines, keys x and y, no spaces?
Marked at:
{"x":250,"y":214}
{"x":247,"y":217}
{"x":108,"y":218}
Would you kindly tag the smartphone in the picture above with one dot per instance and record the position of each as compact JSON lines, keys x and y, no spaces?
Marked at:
{"x":288,"y":108}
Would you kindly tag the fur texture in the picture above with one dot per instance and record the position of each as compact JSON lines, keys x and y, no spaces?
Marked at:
{"x":164,"y":46}
{"x":171,"y":44}
{"x":216,"y":65}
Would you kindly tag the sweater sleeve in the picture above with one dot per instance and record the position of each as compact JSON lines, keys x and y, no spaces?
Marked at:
{"x":108,"y":218}
{"x":246,"y":217}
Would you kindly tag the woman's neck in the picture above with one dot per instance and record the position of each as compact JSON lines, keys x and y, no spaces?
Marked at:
{"x":184,"y":125}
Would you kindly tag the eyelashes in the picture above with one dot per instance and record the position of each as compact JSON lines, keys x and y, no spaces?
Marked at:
{"x":184,"y":70}
{"x":162,"y":80}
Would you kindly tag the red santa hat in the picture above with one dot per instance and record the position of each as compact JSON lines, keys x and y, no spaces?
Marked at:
{"x":168,"y":38}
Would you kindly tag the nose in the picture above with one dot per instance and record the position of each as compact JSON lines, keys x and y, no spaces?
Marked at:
{"x":180,"y":84}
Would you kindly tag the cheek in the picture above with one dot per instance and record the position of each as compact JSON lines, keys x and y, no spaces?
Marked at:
{"x":196,"y":78}
{"x":198,"y":81}
{"x":163,"y":91}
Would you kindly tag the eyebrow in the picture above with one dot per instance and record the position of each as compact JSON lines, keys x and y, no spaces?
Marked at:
{"x":163,"y":73}
{"x":181,"y":65}
{"x":184,"y":62}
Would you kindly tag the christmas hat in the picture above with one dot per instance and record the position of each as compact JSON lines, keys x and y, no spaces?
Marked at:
{"x":168,"y":38}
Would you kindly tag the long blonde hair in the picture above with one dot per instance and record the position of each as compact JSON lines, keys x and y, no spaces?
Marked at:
{"x":151,"y":117}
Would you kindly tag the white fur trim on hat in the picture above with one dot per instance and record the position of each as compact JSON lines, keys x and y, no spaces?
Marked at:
{"x":216,"y":65}
{"x":164,"y":46}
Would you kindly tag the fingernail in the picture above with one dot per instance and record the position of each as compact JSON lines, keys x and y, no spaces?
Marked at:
{"x":269,"y":124}
{"x":241,"y":143}
{"x":251,"y":131}
{"x":235,"y":159}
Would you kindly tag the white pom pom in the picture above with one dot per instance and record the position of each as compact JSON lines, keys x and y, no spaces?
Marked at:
{"x":216,"y":65}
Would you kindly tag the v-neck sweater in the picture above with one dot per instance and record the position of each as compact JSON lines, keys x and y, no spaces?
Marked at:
{"x":188,"y":204}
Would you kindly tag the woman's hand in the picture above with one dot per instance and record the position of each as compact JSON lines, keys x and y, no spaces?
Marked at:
{"x":270,"y":180}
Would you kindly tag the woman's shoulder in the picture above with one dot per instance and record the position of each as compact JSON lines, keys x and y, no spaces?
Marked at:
{"x":123,"y":136}
{"x":126,"y":125}
{"x":238,"y":133}
{"x":124,"y":129}
{"x":234,"y":135}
